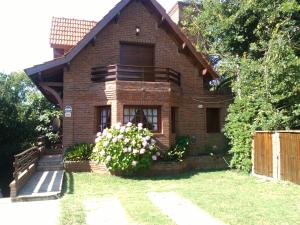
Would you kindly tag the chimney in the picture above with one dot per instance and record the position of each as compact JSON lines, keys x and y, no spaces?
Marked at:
{"x":177,"y":12}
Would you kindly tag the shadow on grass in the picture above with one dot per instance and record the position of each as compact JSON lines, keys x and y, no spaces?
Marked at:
{"x":179,"y":176}
{"x":68,"y":184}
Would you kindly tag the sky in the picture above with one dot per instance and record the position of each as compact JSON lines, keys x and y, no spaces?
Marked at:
{"x":25,"y":27}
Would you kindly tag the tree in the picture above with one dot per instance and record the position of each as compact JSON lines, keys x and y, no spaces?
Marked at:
{"x":257,"y":43}
{"x":22,"y":109}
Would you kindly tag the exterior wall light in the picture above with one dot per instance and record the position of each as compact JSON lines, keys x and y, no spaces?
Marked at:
{"x":137,"y":31}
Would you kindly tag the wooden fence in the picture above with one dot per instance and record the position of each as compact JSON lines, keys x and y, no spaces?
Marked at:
{"x":277,"y":155}
{"x":25,"y":164}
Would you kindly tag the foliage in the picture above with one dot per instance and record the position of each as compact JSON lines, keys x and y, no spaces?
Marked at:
{"x":210,"y":149}
{"x":257,"y":44}
{"x":79,"y":152}
{"x":21,"y":106}
{"x":178,"y":151}
{"x":125,"y":149}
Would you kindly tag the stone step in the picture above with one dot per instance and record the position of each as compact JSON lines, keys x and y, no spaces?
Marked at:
{"x":51,"y":158}
{"x":50,"y":167}
{"x":50,"y":163}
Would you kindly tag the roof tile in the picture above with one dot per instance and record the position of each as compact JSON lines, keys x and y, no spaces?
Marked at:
{"x":69,"y":32}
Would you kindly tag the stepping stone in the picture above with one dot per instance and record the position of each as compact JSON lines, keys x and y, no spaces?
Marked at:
{"x":106,"y":211}
{"x":180,"y":210}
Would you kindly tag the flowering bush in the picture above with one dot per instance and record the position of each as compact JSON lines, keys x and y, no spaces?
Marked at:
{"x":125,"y":149}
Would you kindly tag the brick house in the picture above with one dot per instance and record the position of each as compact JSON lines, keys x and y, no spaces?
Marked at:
{"x":133,"y":65}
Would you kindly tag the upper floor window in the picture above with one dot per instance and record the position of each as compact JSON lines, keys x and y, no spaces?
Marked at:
{"x":149,"y":116}
{"x":138,"y":55}
{"x":213,"y":120}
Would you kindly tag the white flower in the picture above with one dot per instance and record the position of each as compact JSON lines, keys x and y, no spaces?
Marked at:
{"x":126,"y":140}
{"x":122,"y":129}
{"x":127,"y":129}
{"x":105,"y":132}
{"x":153,"y":141}
{"x":125,"y":150}
{"x":140,"y":125}
{"x":120,"y":136}
{"x":102,"y":153}
{"x":118,"y":126}
{"x":147,"y":138}
{"x":135,"y":151}
{"x":142,"y":151}
{"x":134,"y":163}
{"x":158,"y":153}
{"x":151,"y":147}
{"x":98,"y":134}
{"x":115,"y":139}
{"x":95,"y":149}
{"x":109,"y":135}
{"x":105,"y":144}
{"x":154,"y":157}
{"x":98,"y":139}
{"x":129,"y":124}
{"x":140,"y":128}
{"x":133,"y":142}
{"x":145,"y":143}
{"x":129,"y":149}
{"x":108,"y":158}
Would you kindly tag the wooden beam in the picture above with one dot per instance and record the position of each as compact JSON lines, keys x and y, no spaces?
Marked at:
{"x":52,"y":84}
{"x":162,"y":21}
{"x":54,"y":94}
{"x":117,"y":17}
{"x":93,"y":41}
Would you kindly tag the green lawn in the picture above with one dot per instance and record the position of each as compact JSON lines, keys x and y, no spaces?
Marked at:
{"x":232,"y":197}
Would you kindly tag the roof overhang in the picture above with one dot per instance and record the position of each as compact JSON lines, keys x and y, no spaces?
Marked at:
{"x":66,"y":59}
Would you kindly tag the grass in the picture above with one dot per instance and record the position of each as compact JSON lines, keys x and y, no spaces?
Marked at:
{"x":232,"y":197}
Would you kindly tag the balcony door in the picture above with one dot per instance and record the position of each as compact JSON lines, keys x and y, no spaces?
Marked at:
{"x":140,"y":58}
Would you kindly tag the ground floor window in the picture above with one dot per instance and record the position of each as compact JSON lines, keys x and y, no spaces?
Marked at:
{"x":147,"y":115}
{"x":103,"y":117}
{"x":213,"y":120}
{"x":173,"y":118}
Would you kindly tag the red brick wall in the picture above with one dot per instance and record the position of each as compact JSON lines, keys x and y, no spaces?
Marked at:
{"x":84,"y":96}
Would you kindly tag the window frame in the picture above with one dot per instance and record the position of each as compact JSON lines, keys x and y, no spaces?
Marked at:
{"x":99,"y":110}
{"x":209,"y":128}
{"x":174,"y":111}
{"x":142,"y":107}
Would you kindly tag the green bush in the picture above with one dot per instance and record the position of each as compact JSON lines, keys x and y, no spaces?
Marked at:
{"x":79,"y":152}
{"x":178,"y":151}
{"x":125,"y":149}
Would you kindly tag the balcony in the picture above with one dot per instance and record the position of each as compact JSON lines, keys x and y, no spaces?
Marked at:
{"x":134,"y":73}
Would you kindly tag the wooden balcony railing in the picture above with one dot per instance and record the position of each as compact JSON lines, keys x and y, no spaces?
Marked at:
{"x":134,"y":73}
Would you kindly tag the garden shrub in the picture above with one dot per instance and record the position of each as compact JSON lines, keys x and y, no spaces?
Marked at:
{"x":79,"y":152}
{"x":178,"y":151}
{"x":125,"y":149}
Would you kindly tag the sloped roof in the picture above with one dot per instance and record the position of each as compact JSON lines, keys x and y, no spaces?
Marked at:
{"x":59,"y":62}
{"x":69,"y":32}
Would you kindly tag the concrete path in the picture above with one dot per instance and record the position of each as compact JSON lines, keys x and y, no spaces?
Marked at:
{"x":180,"y":210}
{"x":43,"y":185}
{"x":105,"y":211}
{"x":29,"y":213}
